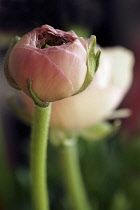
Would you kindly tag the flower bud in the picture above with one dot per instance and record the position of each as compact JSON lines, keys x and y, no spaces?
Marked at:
{"x":49,"y":64}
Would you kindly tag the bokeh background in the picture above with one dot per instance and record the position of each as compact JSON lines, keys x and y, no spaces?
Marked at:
{"x":114,"y":183}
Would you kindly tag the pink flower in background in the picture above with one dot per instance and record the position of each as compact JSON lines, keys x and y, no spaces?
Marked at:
{"x":53,"y":60}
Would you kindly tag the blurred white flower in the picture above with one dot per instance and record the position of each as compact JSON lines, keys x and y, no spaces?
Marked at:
{"x":108,"y":88}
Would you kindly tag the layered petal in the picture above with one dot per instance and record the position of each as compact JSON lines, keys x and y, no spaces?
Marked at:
{"x":48,"y":81}
{"x":76,"y":68}
{"x":122,"y":60}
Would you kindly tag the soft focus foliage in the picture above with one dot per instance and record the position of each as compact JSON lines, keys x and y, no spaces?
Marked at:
{"x":110,"y":170}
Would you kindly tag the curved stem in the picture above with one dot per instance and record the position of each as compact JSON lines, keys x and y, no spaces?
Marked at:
{"x":38,"y":158}
{"x":72,"y":177}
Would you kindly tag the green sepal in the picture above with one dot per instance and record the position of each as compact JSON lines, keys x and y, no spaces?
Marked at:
{"x":35,"y":98}
{"x":98,"y":54}
{"x":8,"y":76}
{"x":92,"y":65}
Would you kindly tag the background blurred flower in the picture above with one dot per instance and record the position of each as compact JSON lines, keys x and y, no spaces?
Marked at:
{"x":53,"y":60}
{"x":105,"y":93}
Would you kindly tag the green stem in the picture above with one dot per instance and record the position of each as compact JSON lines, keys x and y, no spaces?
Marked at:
{"x":72,"y":177}
{"x":38,"y":158}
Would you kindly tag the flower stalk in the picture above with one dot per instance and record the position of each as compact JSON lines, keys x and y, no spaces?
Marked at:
{"x":72,"y":176}
{"x":39,"y":140}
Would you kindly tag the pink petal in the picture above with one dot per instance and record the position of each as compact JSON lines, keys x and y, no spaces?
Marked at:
{"x":73,"y":67}
{"x":49,"y":82}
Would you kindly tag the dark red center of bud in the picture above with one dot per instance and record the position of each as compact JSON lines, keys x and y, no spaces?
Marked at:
{"x":48,"y":38}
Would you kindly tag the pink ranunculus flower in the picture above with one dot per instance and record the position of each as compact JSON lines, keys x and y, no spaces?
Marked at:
{"x":53,"y":60}
{"x":105,"y":93}
{"x":109,"y":85}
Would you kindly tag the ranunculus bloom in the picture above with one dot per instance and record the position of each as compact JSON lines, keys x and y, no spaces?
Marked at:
{"x":97,"y":102}
{"x":53,"y":60}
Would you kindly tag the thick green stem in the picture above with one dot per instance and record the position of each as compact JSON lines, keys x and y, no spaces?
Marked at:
{"x":38,"y":158}
{"x":72,"y":177}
